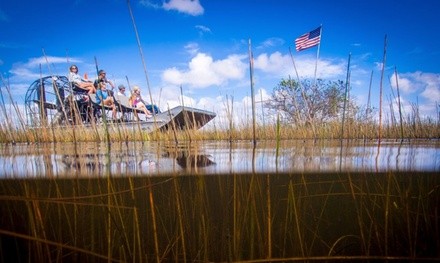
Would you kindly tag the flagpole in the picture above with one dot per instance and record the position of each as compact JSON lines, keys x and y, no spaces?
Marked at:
{"x":317,"y":54}
{"x":301,"y":88}
{"x":294,"y":65}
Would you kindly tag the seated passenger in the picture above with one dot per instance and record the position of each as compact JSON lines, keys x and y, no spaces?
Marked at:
{"x":137,"y":102}
{"x":81,"y":83}
{"x":121,"y":91}
{"x":153,"y":108}
{"x":102,"y":77}
{"x":103,"y":97}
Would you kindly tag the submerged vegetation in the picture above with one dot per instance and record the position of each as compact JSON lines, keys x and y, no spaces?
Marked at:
{"x":234,"y":217}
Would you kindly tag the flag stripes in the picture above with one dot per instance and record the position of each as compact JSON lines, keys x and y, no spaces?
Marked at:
{"x":308,"y":40}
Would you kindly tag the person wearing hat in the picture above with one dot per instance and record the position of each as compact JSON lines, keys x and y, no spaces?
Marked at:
{"x":121,"y":93}
{"x":121,"y":90}
{"x":137,"y":102}
{"x":102,"y":77}
{"x":79,"y":82}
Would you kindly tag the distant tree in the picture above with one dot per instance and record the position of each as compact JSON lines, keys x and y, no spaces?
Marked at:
{"x":304,"y":102}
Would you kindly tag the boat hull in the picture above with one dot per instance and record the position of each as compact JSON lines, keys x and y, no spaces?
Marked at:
{"x":178,"y":118}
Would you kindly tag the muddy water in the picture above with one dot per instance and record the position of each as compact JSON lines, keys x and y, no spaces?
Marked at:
{"x":216,"y":157}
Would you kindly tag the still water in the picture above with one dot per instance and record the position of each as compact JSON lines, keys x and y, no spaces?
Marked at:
{"x":301,"y":201}
{"x":216,"y":157}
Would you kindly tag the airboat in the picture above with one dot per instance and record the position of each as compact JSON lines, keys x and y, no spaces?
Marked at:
{"x":53,"y":101}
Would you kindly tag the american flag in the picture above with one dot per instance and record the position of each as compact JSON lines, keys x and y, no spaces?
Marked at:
{"x":308,"y":40}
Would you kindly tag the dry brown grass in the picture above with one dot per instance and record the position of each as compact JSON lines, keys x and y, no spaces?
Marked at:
{"x":121,"y":133}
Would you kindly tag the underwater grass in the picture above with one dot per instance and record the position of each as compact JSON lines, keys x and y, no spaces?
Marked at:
{"x":237,"y":217}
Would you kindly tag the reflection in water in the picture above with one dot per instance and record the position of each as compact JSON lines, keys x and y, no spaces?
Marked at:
{"x":186,"y":160}
{"x":155,"y":158}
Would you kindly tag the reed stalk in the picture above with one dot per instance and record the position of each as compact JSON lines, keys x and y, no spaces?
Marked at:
{"x":154,"y":222}
{"x":278,"y":133}
{"x":180,"y":217}
{"x":345,"y":96}
{"x":296,"y":213}
{"x":141,"y":54}
{"x":381,"y":87}
{"x":251,"y":75}
{"x":269,"y":216}
{"x":399,"y":105}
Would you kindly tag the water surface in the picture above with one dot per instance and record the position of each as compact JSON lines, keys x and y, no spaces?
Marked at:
{"x":216,"y":157}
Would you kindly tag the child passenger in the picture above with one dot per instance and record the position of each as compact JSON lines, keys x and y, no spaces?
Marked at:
{"x":103,"y":96}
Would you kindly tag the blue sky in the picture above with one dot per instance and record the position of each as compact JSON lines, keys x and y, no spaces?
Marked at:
{"x":203,"y":47}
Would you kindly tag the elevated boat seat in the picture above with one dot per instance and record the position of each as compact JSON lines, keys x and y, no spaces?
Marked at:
{"x":77,"y":89}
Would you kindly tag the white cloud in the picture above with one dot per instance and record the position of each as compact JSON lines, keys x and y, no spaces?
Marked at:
{"x":203,"y":29}
{"x":405,"y":85}
{"x":274,"y":63}
{"x":24,"y":73}
{"x":203,"y":71}
{"x":378,"y":65}
{"x":426,"y":84}
{"x":330,"y":69}
{"x":432,"y":93}
{"x":170,"y":96}
{"x":36,"y":62}
{"x":191,"y":7}
{"x":271,"y":42}
{"x":282,"y":65}
{"x":192,"y":48}
{"x":30,"y":70}
{"x":148,"y":3}
{"x":242,"y":110}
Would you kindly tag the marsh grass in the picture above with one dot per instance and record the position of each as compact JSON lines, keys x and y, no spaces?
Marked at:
{"x":121,"y":133}
{"x":411,"y":126}
{"x":237,"y":217}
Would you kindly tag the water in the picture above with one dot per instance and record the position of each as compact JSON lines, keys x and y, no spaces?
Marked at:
{"x":230,"y":202}
{"x":215,"y":157}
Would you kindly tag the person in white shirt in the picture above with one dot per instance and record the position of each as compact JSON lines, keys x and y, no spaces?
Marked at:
{"x":81,"y":83}
{"x":121,"y":93}
{"x":121,"y":90}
